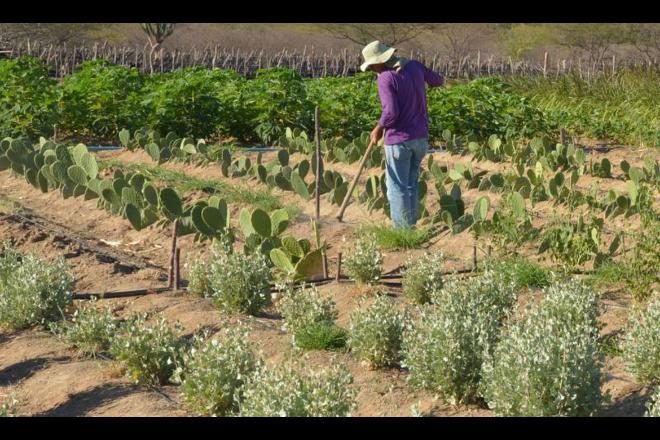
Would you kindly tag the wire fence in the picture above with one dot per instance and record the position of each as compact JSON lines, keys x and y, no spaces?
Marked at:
{"x":64,"y":58}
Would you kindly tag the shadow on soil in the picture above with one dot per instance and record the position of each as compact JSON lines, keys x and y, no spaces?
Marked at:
{"x":633,"y":405}
{"x":23,"y":370}
{"x":80,"y":404}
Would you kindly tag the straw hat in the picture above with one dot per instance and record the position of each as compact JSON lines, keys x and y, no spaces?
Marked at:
{"x":376,"y":53}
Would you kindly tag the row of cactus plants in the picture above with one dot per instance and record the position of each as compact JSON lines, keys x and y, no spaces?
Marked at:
{"x":74,"y":172}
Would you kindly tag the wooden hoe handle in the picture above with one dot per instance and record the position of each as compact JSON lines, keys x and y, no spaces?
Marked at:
{"x":347,"y":198}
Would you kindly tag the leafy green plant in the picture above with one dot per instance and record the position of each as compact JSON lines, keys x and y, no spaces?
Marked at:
{"x":90,"y":330}
{"x":28,"y":103}
{"x":100,"y":98}
{"x":554,"y":347}
{"x":577,"y":243}
{"x":32,"y":291}
{"x":641,"y":349}
{"x":445,"y":350}
{"x":215,"y":369}
{"x":149,"y":352}
{"x":376,"y":332}
{"x":421,"y":275}
{"x":365,"y":263}
{"x":292,"y":391}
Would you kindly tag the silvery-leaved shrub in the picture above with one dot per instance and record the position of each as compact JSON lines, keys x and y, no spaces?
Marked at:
{"x":290,"y":390}
{"x":641,"y":350}
{"x":422,"y":275}
{"x":8,"y":406}
{"x":238,"y":282}
{"x":32,"y":290}
{"x":303,"y":306}
{"x":365,"y":263}
{"x":653,"y":407}
{"x":376,"y":332}
{"x":548,"y":362}
{"x":214,"y":370}
{"x":446,"y":348}
{"x":198,"y":278}
{"x":149,"y":351}
{"x":90,"y":329}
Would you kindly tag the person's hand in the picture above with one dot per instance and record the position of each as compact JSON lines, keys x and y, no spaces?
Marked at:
{"x":376,"y":134}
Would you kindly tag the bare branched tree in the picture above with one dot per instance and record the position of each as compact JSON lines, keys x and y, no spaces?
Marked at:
{"x":595,"y":39}
{"x":156,"y":34}
{"x":364,"y":33}
{"x":645,"y":37}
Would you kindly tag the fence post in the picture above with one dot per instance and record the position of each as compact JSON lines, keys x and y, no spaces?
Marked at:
{"x":545,"y":64}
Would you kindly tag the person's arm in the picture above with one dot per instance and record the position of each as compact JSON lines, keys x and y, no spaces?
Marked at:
{"x":387,"y":95}
{"x":431,"y":78}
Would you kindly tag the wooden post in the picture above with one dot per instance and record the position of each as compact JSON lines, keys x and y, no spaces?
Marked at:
{"x":338,"y":275}
{"x":545,"y":65}
{"x":474,"y":257}
{"x":177,"y":273}
{"x":317,"y":126}
{"x":562,"y":136}
{"x":490,"y":250}
{"x":170,"y":277}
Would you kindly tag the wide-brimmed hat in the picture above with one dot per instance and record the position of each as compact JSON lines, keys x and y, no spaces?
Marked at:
{"x":376,"y":53}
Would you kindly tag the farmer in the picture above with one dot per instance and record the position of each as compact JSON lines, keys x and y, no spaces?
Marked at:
{"x":405,"y":122}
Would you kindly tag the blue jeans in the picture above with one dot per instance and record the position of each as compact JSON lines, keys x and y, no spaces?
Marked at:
{"x":403,"y":162}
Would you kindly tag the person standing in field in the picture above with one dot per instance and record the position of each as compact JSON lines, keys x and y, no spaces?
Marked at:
{"x":405,"y":122}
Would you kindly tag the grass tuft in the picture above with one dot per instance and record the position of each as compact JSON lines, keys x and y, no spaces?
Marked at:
{"x":321,"y":336}
{"x":403,"y":238}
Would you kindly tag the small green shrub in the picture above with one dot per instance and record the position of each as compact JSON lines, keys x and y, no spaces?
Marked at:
{"x":421,"y":276}
{"x":446,"y":349}
{"x":287,"y":391}
{"x":365,"y":264}
{"x":305,"y":306}
{"x":237,"y":282}
{"x":398,"y":238}
{"x":654,"y":406}
{"x":215,"y":369}
{"x":321,"y":336}
{"x":90,"y":329}
{"x":149,"y":352}
{"x":548,"y":363}
{"x":641,"y":349}
{"x":32,"y":291}
{"x":376,"y":332}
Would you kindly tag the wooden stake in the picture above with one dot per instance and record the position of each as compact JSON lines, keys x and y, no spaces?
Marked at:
{"x":474,"y":256}
{"x":177,"y":273}
{"x":170,"y":277}
{"x":562,"y":135}
{"x":325,"y":265}
{"x":338,"y":276}
{"x":317,"y":126}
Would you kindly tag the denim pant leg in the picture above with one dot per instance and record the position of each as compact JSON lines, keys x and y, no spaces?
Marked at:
{"x":418,"y":148}
{"x":397,"y":160}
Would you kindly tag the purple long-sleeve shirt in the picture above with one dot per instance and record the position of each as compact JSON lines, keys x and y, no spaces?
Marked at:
{"x":403,"y":97}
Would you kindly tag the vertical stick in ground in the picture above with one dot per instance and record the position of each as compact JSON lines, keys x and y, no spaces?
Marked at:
{"x":338,"y":276}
